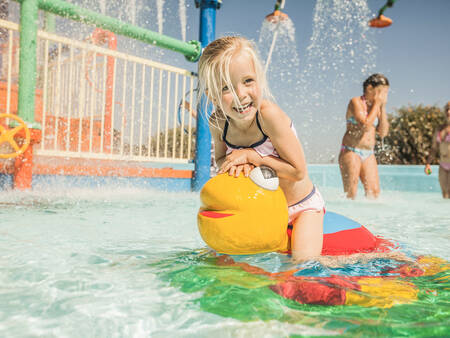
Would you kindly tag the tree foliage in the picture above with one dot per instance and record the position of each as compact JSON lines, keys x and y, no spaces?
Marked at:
{"x":410,"y":135}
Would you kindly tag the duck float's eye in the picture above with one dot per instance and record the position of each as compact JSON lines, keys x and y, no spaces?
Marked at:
{"x":265,"y":177}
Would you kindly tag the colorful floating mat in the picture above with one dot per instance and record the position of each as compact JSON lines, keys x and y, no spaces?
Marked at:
{"x":382,"y":297}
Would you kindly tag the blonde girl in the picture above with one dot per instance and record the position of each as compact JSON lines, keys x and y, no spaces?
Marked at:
{"x":250,"y":130}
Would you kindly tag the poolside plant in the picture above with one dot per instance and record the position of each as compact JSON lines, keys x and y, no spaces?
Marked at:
{"x":410,"y":135}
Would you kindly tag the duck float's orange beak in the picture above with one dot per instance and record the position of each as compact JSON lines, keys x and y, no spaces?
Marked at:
{"x":380,"y":22}
{"x":238,"y":217}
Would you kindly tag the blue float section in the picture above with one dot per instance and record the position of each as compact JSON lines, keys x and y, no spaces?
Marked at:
{"x":333,"y":222}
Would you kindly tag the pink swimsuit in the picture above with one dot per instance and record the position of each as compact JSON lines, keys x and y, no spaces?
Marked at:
{"x":312,"y":202}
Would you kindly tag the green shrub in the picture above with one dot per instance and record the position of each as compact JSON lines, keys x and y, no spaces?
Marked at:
{"x":410,"y":135}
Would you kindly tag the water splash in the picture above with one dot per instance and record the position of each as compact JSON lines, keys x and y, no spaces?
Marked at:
{"x":340,"y":48}
{"x":339,"y":56}
{"x":282,"y":62}
{"x":183,"y":18}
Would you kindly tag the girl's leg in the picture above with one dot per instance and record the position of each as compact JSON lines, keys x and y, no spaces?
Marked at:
{"x":307,"y":235}
{"x":350,"y":165}
{"x":369,"y":177}
{"x":444,"y":181}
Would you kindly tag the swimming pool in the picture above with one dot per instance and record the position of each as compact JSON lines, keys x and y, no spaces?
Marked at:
{"x":115,"y":262}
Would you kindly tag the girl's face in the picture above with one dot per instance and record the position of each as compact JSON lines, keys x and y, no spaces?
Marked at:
{"x":243,"y":79}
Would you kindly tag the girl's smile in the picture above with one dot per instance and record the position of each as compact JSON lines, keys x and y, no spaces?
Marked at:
{"x":244,"y":108}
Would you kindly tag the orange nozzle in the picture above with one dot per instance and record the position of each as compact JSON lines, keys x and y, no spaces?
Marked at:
{"x":276,"y":16}
{"x":380,"y":22}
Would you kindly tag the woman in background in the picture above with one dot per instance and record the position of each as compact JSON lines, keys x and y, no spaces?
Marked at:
{"x":441,"y":143}
{"x":366,"y":116}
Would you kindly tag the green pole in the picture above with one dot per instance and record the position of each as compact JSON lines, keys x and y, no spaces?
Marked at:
{"x":27,"y":60}
{"x":191,"y":50}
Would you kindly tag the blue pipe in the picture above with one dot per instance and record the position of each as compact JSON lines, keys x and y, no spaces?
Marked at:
{"x":202,"y":161}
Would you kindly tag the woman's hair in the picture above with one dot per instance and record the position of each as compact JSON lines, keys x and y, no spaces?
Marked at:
{"x":214,"y":65}
{"x":375,"y":80}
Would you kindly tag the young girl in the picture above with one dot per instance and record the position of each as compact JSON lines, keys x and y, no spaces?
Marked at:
{"x":365,"y":116}
{"x":249,"y":130}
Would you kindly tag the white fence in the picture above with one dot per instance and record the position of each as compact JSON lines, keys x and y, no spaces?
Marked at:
{"x":96,"y":102}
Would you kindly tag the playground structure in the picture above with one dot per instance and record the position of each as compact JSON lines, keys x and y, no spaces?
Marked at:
{"x":94,"y":110}
{"x":382,"y":21}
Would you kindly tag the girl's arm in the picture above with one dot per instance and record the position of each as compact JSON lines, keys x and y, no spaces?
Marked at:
{"x":277,"y":125}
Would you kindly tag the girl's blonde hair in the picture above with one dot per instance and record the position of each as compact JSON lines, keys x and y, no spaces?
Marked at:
{"x":214,"y":65}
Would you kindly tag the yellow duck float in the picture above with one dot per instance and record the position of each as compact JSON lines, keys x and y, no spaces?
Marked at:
{"x":239,"y":216}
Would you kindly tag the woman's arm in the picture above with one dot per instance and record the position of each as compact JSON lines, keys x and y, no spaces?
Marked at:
{"x":434,"y":148}
{"x":358,"y":110}
{"x":432,"y":154}
{"x":383,"y":124}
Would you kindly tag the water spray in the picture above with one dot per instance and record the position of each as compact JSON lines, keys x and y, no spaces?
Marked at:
{"x":276,"y":17}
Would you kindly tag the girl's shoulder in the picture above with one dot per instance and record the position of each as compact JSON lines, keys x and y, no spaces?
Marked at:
{"x":272,"y":115}
{"x":270,"y":109}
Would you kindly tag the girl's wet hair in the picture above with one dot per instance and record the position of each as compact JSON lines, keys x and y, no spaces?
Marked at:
{"x":214,"y":65}
{"x":376,"y":80}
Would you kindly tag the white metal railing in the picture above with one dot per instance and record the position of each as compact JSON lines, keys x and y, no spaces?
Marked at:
{"x":94,"y":102}
{"x":9,"y":67}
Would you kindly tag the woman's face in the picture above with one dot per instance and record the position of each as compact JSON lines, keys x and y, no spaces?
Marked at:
{"x":378,"y":91}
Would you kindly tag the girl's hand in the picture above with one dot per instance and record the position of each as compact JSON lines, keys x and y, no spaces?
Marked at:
{"x":236,"y":170}
{"x":235,"y":162}
{"x":427,"y":169}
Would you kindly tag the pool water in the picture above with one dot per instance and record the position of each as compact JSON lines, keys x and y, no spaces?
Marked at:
{"x":130,"y":263}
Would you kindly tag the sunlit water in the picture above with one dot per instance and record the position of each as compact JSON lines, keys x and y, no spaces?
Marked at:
{"x":111,"y":263}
